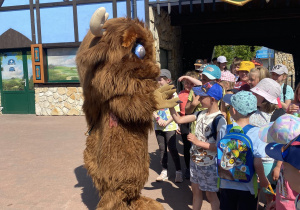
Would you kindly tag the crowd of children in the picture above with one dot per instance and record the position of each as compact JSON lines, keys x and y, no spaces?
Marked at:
{"x":228,"y":120}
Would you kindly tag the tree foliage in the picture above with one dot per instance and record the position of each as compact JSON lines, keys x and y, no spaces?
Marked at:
{"x":241,"y":51}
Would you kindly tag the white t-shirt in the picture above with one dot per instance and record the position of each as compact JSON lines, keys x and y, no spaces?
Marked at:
{"x":200,"y":156}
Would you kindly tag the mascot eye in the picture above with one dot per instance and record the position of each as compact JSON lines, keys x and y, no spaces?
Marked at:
{"x":139,"y":51}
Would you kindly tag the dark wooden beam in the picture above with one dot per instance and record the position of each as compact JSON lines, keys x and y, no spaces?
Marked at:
{"x":115,"y":12}
{"x":38,"y":22}
{"x":33,"y":36}
{"x":62,"y":45}
{"x":147,"y":21}
{"x":128,"y":8}
{"x":75,"y":19}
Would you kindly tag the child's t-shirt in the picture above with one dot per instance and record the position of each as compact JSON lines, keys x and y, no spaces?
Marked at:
{"x":165,"y":115}
{"x":258,"y":151}
{"x":183,"y":96}
{"x":200,"y":156}
{"x":289,"y":95}
{"x":197,"y":109}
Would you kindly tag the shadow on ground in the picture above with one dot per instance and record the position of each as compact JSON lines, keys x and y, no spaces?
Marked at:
{"x":178,"y":195}
{"x":89,"y":193}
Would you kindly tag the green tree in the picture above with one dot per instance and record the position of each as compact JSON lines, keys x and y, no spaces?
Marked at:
{"x":241,"y":51}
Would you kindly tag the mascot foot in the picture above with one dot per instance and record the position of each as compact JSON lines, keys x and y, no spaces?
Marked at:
{"x":117,"y":201}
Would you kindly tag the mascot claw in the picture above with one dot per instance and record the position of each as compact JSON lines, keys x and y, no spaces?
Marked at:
{"x":163,"y":97}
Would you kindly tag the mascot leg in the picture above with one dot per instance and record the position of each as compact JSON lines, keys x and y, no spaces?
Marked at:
{"x":117,"y":200}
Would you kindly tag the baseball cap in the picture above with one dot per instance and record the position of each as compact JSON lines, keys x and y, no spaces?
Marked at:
{"x":280,"y":69}
{"x":269,"y":89}
{"x":289,"y":153}
{"x":212,"y":72}
{"x":221,"y":59}
{"x":244,"y":102}
{"x":202,"y":67}
{"x":198,"y":62}
{"x":239,"y":86}
{"x":282,"y":130}
{"x":246,"y":66}
{"x":165,"y":73}
{"x":211,"y":89}
{"x":227,"y":76}
{"x":257,"y":62}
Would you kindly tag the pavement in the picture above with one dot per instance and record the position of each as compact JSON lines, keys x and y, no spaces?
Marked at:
{"x":41,"y":167}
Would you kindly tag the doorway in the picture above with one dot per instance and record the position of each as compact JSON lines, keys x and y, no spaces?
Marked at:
{"x":16,"y":82}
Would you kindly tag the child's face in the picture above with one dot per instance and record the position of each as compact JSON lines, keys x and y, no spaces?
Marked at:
{"x":188,"y":85}
{"x":205,"y":101}
{"x":292,"y":175}
{"x":162,"y":81}
{"x":236,"y":68}
{"x":278,"y":78}
{"x":253,"y":79}
{"x":205,"y":79}
{"x":244,"y":75}
{"x":222,"y":66}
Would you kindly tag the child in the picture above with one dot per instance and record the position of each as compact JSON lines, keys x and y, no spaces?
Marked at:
{"x":294,"y":106}
{"x":279,"y":74}
{"x":165,"y":130}
{"x":290,"y":155}
{"x":257,"y":74}
{"x":282,"y":130}
{"x":183,"y":96}
{"x":244,"y":70}
{"x":222,"y":62}
{"x":235,"y":67}
{"x":239,"y":195}
{"x":210,"y":127}
{"x":267,"y":91}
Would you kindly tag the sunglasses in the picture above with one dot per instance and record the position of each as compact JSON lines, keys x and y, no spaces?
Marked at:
{"x":286,"y":148}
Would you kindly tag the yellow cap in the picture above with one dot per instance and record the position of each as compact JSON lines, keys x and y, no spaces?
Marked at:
{"x":246,"y":66}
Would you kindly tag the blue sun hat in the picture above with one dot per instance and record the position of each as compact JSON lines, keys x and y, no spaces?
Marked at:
{"x":244,"y":102}
{"x":211,"y":89}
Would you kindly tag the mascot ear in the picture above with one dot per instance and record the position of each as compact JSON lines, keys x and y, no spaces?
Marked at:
{"x":98,"y":19}
{"x":129,"y":37}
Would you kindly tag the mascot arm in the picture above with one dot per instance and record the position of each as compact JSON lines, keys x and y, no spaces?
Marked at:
{"x":132,"y":108}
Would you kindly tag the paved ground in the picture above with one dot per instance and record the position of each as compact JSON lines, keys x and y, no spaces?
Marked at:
{"x":41,"y":167}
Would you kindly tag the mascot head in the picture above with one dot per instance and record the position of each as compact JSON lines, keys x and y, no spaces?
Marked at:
{"x":116,"y":57}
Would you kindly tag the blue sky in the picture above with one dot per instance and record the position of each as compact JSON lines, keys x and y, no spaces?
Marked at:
{"x":18,"y":73}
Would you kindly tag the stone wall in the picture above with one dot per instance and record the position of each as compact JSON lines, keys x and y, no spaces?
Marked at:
{"x":58,"y":101}
{"x":287,"y":60}
{"x":167,"y":37}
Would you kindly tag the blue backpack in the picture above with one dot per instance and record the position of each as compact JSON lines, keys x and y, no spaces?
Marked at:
{"x":235,"y":155}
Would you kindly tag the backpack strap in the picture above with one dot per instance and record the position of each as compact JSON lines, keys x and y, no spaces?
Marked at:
{"x":247,"y":128}
{"x":229,"y":128}
{"x":214,"y":126}
{"x":284,"y":92}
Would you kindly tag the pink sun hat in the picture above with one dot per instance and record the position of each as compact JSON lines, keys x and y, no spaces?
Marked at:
{"x":282,"y":130}
{"x":227,"y":76}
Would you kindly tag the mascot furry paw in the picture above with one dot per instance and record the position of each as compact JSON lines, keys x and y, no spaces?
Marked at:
{"x":117,"y":70}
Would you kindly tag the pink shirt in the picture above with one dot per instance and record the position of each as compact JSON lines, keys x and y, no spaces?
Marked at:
{"x":183,"y":96}
{"x":285,"y":196}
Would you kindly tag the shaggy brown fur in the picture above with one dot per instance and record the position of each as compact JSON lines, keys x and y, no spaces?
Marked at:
{"x":118,"y":90}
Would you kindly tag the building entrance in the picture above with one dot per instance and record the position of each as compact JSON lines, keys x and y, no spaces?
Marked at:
{"x":16,"y":83}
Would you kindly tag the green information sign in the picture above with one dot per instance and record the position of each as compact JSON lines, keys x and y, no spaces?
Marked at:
{"x":237,"y":2}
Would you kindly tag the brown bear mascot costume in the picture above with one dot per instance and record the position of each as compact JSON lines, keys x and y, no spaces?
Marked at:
{"x":117,"y":70}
